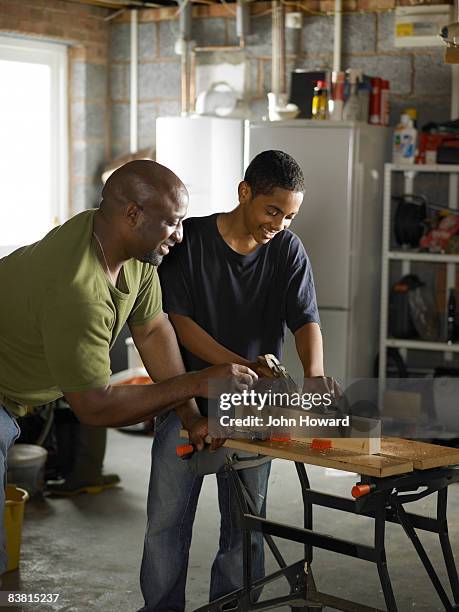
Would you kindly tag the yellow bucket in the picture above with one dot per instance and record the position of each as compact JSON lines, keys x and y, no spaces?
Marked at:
{"x":14,"y":514}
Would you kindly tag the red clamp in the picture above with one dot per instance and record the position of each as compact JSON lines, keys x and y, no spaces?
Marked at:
{"x":184,"y":451}
{"x":359,"y":490}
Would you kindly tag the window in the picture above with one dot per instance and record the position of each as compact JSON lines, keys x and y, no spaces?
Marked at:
{"x":33,"y":140}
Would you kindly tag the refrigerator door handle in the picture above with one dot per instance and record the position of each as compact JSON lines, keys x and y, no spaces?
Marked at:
{"x":357,"y":234}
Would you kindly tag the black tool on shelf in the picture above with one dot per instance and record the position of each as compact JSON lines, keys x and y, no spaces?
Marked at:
{"x":451,"y":317}
{"x":410,"y":219}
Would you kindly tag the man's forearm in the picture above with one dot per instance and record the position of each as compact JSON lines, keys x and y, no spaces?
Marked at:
{"x":116,"y":406}
{"x":197,"y":341}
{"x":308,"y":340}
{"x":161,"y":356}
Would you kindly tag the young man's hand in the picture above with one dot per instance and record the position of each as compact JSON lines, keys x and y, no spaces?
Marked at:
{"x":323,"y":385}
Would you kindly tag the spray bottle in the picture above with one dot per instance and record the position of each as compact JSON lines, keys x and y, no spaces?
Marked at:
{"x":405,"y":136}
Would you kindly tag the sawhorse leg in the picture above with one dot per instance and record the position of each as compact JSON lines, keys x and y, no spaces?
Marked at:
{"x":442,"y":501}
{"x":381,"y":563}
{"x":422,"y":554}
{"x":299,"y":582}
{"x":309,"y":584}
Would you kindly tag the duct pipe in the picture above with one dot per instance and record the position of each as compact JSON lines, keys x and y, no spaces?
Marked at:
{"x":185,"y":19}
{"x":278,"y":84}
{"x":242,"y":30}
{"x":185,"y":22}
{"x":242,"y":20}
{"x":134,"y":97}
{"x":338,"y":35}
{"x":184,"y":76}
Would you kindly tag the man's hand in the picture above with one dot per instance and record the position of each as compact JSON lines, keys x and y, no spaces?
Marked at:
{"x":198,"y":432}
{"x":261,"y":368}
{"x":323,"y":385}
{"x":240,"y":377}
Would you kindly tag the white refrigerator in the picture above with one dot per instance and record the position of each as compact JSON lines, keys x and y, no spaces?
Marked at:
{"x":339,"y":222}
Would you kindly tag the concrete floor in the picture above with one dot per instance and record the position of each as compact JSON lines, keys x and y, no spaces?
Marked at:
{"x":88,"y":549}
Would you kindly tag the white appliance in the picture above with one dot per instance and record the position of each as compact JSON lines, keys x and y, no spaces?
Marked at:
{"x":206,"y":153}
{"x":339,"y":221}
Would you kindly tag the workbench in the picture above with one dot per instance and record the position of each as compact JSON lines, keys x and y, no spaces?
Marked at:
{"x":404,"y":471}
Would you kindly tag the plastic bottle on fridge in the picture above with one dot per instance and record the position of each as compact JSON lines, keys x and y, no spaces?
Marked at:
{"x":375,"y":101}
{"x":385,"y":104}
{"x":351,"y":110}
{"x":336,"y":103}
{"x":320,"y":101}
{"x":405,"y":136}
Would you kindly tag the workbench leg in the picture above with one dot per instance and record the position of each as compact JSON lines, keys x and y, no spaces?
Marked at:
{"x":411,"y":533}
{"x":247,"y":569}
{"x":442,"y":501}
{"x":307,"y":506}
{"x":243,"y":601}
{"x":380,"y":532}
{"x":309,"y":584}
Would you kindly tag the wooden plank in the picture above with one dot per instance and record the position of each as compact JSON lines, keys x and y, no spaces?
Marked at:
{"x":423,"y":455}
{"x":361,"y":446}
{"x":348,"y":461}
{"x":363,"y":436}
{"x":300,"y":451}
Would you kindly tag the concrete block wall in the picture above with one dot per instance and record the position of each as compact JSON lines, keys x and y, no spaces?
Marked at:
{"x":418,"y":76}
{"x":159,"y":78}
{"x":85,"y":31}
{"x":99,"y":66}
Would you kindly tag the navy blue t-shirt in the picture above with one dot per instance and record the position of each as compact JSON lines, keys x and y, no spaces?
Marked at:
{"x":243,"y":301}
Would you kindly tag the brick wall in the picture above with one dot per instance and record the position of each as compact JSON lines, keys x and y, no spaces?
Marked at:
{"x":86,"y":33}
{"x":159,"y":78}
{"x":418,"y":77}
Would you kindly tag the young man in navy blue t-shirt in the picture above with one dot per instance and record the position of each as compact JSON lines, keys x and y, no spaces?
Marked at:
{"x":230,"y":288}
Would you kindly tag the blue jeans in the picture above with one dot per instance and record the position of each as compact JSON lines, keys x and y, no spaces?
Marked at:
{"x":172,"y":500}
{"x":9,"y":431}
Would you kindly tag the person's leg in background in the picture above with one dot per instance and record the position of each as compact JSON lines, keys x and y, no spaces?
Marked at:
{"x":89,"y":444}
{"x":226,"y":573}
{"x":172,"y":498}
{"x":9,"y":431}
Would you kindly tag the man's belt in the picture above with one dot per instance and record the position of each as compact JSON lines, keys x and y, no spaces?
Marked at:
{"x":18,"y":410}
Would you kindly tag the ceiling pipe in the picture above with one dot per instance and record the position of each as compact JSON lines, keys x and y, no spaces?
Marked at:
{"x":338,"y":35}
{"x":278,"y":81}
{"x":242,"y":21}
{"x":134,"y":83}
{"x":185,"y":23}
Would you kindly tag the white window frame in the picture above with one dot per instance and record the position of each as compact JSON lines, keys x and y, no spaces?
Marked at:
{"x":34,"y":51}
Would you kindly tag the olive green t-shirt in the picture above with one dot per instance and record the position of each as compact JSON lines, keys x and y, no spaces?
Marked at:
{"x":59,"y":314}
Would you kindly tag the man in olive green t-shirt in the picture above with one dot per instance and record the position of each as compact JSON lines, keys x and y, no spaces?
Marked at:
{"x":66,"y":297}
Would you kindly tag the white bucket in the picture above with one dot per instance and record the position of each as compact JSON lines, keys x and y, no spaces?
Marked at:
{"x":26,"y":467}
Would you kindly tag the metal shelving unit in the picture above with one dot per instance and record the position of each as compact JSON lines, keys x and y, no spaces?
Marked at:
{"x":421,"y":345}
{"x":417,"y":168}
{"x":426,"y":257}
{"x":407,"y":256}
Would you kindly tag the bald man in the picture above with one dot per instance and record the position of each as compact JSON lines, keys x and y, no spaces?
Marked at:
{"x":66,"y":297}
